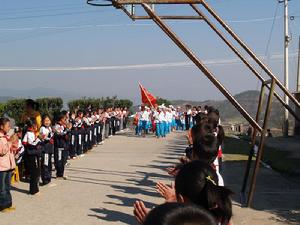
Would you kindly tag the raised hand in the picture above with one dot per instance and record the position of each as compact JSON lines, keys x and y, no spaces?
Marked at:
{"x":140,"y":211}
{"x":168,"y":192}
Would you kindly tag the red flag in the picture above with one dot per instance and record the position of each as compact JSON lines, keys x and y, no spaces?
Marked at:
{"x":147,"y":97}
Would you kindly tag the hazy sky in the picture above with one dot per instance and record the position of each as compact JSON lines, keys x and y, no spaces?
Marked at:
{"x":108,"y":53}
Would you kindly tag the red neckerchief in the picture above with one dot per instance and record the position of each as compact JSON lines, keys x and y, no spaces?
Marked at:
{"x":30,"y":129}
{"x":2,"y":135}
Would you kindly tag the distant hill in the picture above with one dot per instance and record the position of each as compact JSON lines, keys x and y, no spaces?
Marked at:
{"x":5,"y":98}
{"x":248,"y":99}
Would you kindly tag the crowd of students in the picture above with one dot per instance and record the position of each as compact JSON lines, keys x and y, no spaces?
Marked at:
{"x":161,"y":120}
{"x":42,"y":142}
{"x":198,"y":195}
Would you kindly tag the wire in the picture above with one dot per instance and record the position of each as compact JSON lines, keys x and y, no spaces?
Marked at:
{"x":49,"y":15}
{"x":269,"y":39}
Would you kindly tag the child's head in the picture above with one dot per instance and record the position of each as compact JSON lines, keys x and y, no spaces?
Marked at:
{"x":72,"y":115}
{"x":61,"y":118}
{"x":31,"y":105}
{"x":46,"y":121}
{"x":205,"y":143}
{"x":31,"y":124}
{"x":79,"y":113}
{"x":213,"y":114}
{"x":4,"y":125}
{"x":196,"y":182}
{"x":179,"y":214}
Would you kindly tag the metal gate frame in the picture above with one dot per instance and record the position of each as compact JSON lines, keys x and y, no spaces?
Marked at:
{"x":270,"y":84}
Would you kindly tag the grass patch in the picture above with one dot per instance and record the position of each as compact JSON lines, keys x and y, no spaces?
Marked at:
{"x":281,"y":161}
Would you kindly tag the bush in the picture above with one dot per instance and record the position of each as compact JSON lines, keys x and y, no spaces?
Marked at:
{"x":95,"y":103}
{"x":2,"y":106}
{"x":15,"y":108}
{"x":50,"y":106}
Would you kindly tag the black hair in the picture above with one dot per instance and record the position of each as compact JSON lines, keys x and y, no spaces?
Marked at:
{"x":46,"y":116}
{"x":60,"y":116}
{"x":200,"y":117}
{"x":30,"y":103}
{"x":79,"y":112}
{"x":64,"y":112}
{"x":179,"y":214}
{"x":197,"y":182}
{"x":205,"y":142}
{"x":30,"y":123}
{"x":3,"y":121}
{"x":213,"y":114}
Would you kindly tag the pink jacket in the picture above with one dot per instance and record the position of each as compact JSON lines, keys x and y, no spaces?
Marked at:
{"x":7,"y":155}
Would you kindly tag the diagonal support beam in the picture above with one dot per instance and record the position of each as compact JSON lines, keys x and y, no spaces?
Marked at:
{"x":243,"y":58}
{"x":200,"y":65}
{"x":250,"y":52}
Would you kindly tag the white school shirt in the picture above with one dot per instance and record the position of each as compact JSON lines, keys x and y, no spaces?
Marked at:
{"x":156,"y":117}
{"x":162,"y":117}
{"x":169,"y":117}
{"x":44,"y":133}
{"x":30,"y":138}
{"x":145,"y":116}
{"x":59,"y":129}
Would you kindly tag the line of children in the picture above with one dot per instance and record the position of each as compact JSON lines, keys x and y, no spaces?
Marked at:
{"x":42,"y":144}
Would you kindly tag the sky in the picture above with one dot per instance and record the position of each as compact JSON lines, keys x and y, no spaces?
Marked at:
{"x":71,"y":48}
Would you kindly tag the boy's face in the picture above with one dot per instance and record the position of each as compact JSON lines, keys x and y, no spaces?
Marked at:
{"x":5,"y":128}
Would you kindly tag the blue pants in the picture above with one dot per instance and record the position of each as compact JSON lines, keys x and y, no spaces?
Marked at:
{"x":164,"y":128}
{"x":5,"y":196}
{"x":160,"y":129}
{"x":168,"y":127}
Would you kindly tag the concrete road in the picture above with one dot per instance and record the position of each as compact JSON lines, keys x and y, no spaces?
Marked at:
{"x":103,"y":186}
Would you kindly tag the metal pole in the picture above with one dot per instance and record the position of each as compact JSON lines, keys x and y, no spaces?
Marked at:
{"x":298,"y":73}
{"x":250,"y":52}
{"x":261,"y":145}
{"x":200,"y":65}
{"x":251,"y":153}
{"x":238,"y":53}
{"x":286,"y":67}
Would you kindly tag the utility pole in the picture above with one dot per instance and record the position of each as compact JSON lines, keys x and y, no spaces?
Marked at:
{"x":297,"y":94}
{"x":286,"y":65}
{"x":298,"y":73}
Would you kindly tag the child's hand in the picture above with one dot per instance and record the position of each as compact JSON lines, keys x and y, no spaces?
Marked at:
{"x":172,"y":171}
{"x":168,"y":192}
{"x":140,"y":211}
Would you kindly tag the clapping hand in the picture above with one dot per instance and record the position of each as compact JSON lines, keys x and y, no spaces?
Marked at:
{"x":140,"y":211}
{"x":168,"y":192}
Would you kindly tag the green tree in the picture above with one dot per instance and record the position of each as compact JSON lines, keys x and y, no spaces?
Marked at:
{"x":2,"y":108}
{"x":14,"y":109}
{"x":50,"y":106}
